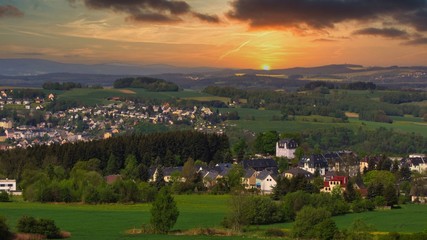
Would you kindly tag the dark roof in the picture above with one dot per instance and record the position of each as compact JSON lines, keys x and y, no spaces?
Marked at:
{"x":299,"y":171}
{"x":264,"y":174}
{"x":416,"y":161}
{"x":211,"y":175}
{"x":290,"y":143}
{"x":314,"y":161}
{"x":260,"y":164}
{"x":167,"y":171}
{"x":249,"y":173}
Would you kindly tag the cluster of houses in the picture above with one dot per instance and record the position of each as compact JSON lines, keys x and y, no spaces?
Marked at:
{"x":262,"y":173}
{"x":6,"y":98}
{"x":102,"y":122}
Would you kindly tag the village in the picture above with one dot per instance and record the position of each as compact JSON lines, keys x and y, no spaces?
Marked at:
{"x":98,"y":122}
{"x":262,"y":173}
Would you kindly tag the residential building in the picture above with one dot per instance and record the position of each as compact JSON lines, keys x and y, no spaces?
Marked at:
{"x":8,"y":185}
{"x":286,"y":148}
{"x":314,"y":163}
{"x":265,"y":182}
{"x":331,"y":182}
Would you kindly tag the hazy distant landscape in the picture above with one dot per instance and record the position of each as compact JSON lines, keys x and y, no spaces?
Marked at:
{"x":34,"y":72}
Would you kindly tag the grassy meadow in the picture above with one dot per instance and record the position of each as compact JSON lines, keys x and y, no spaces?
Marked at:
{"x":99,"y":96}
{"x":262,"y":120}
{"x":196,"y":211}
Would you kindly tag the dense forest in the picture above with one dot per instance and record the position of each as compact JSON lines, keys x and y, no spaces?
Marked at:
{"x":166,"y":149}
{"x":150,"y":84}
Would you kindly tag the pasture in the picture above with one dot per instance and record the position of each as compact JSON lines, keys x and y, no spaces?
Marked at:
{"x":111,"y":221}
{"x":257,"y":120}
{"x":99,"y":96}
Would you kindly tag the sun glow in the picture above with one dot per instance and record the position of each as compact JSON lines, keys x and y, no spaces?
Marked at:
{"x":265,"y":67}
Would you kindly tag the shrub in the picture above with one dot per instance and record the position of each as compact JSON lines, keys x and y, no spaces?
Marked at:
{"x":41,"y":226}
{"x":5,"y":234}
{"x":4,"y":196}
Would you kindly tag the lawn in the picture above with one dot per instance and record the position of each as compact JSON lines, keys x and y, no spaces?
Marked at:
{"x":111,"y":221}
{"x":409,"y":219}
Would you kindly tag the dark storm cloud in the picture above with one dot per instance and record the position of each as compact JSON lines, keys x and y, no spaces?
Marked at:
{"x":207,"y":17}
{"x":418,"y":41}
{"x":318,"y":14}
{"x":10,"y":11}
{"x":418,"y":19}
{"x":383,"y":32}
{"x":162,"y":11}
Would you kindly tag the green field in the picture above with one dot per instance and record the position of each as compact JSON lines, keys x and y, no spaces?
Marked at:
{"x":111,"y":221}
{"x":99,"y":96}
{"x":196,"y":211}
{"x":263,"y":122}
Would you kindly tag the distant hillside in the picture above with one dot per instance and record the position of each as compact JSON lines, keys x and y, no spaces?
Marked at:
{"x":30,"y":75}
{"x":148,"y":83}
{"x":22,"y":67}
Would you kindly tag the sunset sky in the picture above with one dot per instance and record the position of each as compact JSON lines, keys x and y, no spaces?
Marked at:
{"x":217,"y":33}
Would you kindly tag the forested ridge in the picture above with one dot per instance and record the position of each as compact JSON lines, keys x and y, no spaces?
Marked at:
{"x":150,"y":84}
{"x":167,"y":149}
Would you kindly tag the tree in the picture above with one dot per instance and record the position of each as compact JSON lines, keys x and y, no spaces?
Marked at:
{"x":239,"y":149}
{"x":164,"y":212}
{"x":350,"y":193}
{"x":234,"y":176}
{"x":266,"y":142}
{"x":390,"y":195}
{"x":112,"y":165}
{"x":5,"y":233}
{"x":309,"y":222}
{"x":240,"y":212}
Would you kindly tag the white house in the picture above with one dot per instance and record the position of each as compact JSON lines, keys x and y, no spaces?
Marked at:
{"x":313,"y":163}
{"x":265,"y":182}
{"x":286,"y":148}
{"x":8,"y":185}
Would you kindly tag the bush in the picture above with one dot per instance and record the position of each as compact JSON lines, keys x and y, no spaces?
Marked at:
{"x":265,"y":211}
{"x":5,"y":234}
{"x":362,"y":206}
{"x":4,"y":196}
{"x":41,"y":226}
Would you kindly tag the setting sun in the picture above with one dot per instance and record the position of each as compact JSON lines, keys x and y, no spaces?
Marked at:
{"x":265,"y":67}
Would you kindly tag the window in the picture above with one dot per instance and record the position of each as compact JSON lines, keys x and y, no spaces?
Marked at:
{"x":2,"y":185}
{"x":10,"y":185}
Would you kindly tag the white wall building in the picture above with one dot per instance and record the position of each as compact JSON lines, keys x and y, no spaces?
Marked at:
{"x":8,"y":185}
{"x":286,"y":148}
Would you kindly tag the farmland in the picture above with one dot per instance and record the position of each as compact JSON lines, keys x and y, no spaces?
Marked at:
{"x":196,"y":211}
{"x":262,"y":120}
{"x":99,"y":96}
{"x":255,"y":120}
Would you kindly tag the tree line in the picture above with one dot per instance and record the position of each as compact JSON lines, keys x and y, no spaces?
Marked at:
{"x":167,"y":149}
{"x":148,"y":83}
{"x":61,"y":86}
